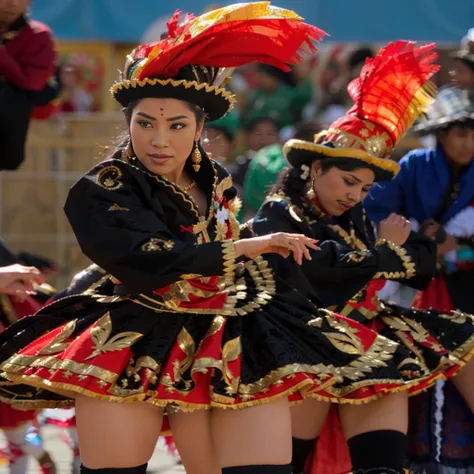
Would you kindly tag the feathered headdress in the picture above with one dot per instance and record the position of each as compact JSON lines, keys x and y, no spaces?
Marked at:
{"x":392,"y":91}
{"x":195,"y":59}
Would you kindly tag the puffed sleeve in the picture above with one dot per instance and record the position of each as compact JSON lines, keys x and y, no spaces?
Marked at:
{"x":119,"y":230}
{"x":337,"y":272}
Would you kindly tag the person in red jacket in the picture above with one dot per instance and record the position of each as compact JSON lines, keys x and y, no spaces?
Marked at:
{"x":27,"y":62}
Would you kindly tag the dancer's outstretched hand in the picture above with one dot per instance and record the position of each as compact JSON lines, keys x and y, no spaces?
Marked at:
{"x":281,"y":243}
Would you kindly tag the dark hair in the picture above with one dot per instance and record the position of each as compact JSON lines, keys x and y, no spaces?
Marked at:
{"x":224,"y":131}
{"x":463,"y":123}
{"x":467,"y":62}
{"x":291,"y":183}
{"x":284,"y":77}
{"x":251,"y":124}
{"x":359,"y":56}
{"x":122,"y":141}
{"x":306,"y":130}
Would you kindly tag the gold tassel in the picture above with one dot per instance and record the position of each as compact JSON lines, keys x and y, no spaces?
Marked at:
{"x":128,"y":153}
{"x":196,"y":158}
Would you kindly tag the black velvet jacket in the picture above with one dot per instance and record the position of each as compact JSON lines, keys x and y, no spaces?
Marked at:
{"x":162,"y":237}
{"x":350,"y":256}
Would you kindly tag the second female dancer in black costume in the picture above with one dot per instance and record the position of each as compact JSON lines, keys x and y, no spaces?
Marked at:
{"x":321,"y":197}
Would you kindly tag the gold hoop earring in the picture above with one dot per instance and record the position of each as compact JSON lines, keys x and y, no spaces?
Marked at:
{"x":197,"y":157}
{"x":311,"y":194}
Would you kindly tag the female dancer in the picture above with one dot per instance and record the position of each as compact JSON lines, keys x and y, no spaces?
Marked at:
{"x":188,"y":315}
{"x":435,"y":191}
{"x":321,"y":197}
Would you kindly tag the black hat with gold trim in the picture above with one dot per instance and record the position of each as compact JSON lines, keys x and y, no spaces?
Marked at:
{"x":392,"y":91}
{"x":197,"y":57}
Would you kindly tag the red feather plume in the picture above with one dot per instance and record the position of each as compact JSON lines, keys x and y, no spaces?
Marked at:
{"x":393,"y":88}
{"x":230,"y":37}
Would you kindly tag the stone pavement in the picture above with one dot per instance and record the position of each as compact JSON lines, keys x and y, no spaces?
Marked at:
{"x":161,"y":463}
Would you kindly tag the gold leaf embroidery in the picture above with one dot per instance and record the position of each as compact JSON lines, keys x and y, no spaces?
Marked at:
{"x":358,"y":256}
{"x":455,"y":316}
{"x":316,"y":322}
{"x":235,"y":205}
{"x":346,"y":340}
{"x":344,"y":343}
{"x":156,"y":245}
{"x":230,"y":352}
{"x":100,"y":335}
{"x":188,"y":346}
{"x":101,"y":331}
{"x":134,"y":367}
{"x":58,"y":344}
{"x":216,"y":325}
{"x":224,"y":185}
{"x":351,"y":239}
{"x":234,"y":226}
{"x":221,"y":231}
{"x":396,"y":323}
{"x":419,"y":333}
{"x":402,"y":254}
{"x":116,"y":207}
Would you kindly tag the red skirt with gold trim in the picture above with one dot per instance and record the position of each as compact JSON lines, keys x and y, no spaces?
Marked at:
{"x":130,"y":350}
{"x":437,"y":344}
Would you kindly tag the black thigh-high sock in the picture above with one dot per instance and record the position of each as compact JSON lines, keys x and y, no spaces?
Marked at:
{"x":259,"y":469}
{"x":115,"y":470}
{"x":378,"y":452}
{"x":302,"y":448}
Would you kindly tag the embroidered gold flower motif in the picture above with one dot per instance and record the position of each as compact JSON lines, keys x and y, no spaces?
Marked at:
{"x":157,"y":245}
{"x":376,"y":145}
{"x":109,"y":178}
{"x":168,"y":244}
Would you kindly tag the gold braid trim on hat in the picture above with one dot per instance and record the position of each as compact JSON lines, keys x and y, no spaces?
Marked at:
{"x":382,"y":163}
{"x":175,"y":83}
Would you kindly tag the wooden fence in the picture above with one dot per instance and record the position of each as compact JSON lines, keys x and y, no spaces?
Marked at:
{"x":32,"y":198}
